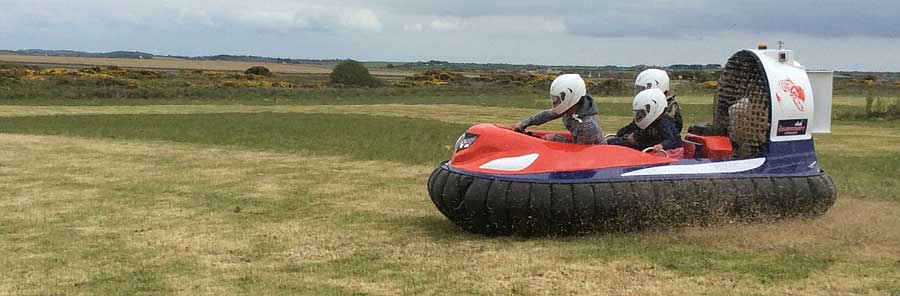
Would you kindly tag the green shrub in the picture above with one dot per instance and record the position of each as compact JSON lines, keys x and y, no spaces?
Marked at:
{"x":61,"y":80}
{"x":134,"y":75}
{"x":109,"y":81}
{"x":879,"y":107}
{"x":259,"y":70}
{"x":353,"y":73}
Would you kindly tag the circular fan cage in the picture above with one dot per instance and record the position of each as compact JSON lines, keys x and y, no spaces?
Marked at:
{"x":742,"y":104}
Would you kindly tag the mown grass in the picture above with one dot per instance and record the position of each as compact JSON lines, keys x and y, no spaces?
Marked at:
{"x":858,"y":170}
{"x":46,"y":94}
{"x":158,"y":218}
{"x":108,"y":217}
{"x":413,"y":141}
{"x":334,"y":203}
{"x":866,"y":175}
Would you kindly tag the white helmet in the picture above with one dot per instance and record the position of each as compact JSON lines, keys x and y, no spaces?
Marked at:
{"x":648,"y":105}
{"x":565,"y":91}
{"x":652,"y":78}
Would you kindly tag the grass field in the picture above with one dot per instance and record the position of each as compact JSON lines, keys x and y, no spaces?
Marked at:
{"x":322,"y":191}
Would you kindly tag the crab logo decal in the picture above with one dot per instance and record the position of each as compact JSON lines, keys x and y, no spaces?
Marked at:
{"x":794,"y":91}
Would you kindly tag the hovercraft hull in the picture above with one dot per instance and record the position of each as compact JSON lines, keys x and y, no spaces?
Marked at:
{"x":498,"y":206}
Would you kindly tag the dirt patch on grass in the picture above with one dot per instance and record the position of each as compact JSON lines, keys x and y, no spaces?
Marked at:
{"x":857,"y":228}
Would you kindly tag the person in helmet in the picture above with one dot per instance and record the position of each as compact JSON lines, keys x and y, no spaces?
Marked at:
{"x":656,"y":79}
{"x":569,"y":100}
{"x":655,"y":129}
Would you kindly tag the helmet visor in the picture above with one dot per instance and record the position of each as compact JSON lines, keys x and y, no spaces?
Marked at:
{"x":638,"y":89}
{"x":555,"y":100}
{"x":639,"y":115}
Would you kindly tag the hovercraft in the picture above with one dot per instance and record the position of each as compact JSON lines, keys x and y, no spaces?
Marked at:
{"x":755,"y":161}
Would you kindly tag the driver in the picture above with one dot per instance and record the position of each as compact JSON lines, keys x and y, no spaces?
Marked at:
{"x":658,"y":79}
{"x":655,"y":129}
{"x":569,"y":99}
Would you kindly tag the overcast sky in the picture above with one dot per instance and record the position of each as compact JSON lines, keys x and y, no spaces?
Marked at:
{"x":832,"y":34}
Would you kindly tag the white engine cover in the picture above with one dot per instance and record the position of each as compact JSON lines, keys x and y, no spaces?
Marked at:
{"x":793,"y":109}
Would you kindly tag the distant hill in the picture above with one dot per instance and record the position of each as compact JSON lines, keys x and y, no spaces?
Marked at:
{"x":248,"y":58}
{"x":144,"y":55}
{"x":73,"y":53}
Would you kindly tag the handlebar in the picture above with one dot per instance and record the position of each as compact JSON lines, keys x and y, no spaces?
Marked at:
{"x":648,"y":149}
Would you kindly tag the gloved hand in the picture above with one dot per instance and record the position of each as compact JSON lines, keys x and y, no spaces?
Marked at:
{"x":673,"y":106}
{"x":630,"y":138}
{"x":520,"y":127}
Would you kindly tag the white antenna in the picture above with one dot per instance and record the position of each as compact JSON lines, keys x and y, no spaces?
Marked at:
{"x":780,"y":45}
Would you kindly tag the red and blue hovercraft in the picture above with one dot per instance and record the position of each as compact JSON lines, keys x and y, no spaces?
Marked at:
{"x":755,"y":161}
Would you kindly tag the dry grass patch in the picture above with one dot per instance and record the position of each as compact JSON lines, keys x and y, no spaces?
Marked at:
{"x":446,"y":113}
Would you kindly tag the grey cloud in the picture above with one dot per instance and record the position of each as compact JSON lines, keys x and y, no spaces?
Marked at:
{"x":823,"y":18}
{"x":278,"y":15}
{"x":813,"y":18}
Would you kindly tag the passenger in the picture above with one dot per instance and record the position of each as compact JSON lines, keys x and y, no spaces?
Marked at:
{"x":569,"y":99}
{"x":658,"y":79}
{"x":656,"y":129}
{"x":738,"y":116}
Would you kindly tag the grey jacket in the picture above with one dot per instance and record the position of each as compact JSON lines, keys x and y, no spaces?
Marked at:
{"x":582,"y":123}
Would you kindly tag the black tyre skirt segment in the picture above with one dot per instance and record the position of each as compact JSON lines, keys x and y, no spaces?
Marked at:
{"x":497,"y":207}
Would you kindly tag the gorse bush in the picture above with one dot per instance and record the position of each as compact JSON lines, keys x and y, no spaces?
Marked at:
{"x":433,"y":77}
{"x":534,"y":80}
{"x":609,"y":87}
{"x":353,"y":73}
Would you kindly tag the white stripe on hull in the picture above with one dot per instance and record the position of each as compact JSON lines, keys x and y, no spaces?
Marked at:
{"x":735,"y":166}
{"x":511,"y":164}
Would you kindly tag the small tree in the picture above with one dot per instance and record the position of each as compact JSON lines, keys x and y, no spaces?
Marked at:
{"x":353,"y":73}
{"x":259,"y":70}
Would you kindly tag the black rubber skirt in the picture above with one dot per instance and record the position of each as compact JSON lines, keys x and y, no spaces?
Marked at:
{"x":496,"y":207}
